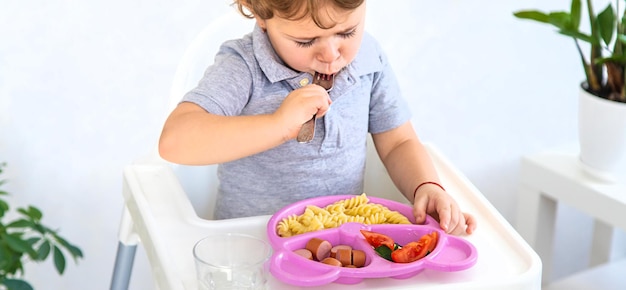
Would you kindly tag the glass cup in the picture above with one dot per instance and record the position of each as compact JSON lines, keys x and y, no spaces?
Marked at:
{"x":231,"y":261}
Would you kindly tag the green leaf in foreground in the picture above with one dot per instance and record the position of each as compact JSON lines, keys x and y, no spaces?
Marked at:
{"x":16,"y":284}
{"x":59,"y":260}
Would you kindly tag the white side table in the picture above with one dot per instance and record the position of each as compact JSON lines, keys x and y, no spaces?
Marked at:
{"x":551,"y":177}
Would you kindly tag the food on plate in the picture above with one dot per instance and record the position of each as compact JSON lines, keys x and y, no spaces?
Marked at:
{"x":304,"y":253}
{"x":349,"y":258}
{"x":332,"y":262}
{"x":377,"y":240}
{"x":411,"y":252}
{"x":384,"y":252}
{"x":358,"y":258}
{"x":344,"y":256}
{"x":333,"y":251}
{"x":355,"y":209}
{"x":320,"y":250}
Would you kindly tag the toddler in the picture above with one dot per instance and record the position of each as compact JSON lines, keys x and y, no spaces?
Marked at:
{"x":251,"y":103}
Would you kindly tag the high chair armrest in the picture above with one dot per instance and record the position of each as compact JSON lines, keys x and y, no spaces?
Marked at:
{"x":167,"y":225}
{"x":141,"y":185}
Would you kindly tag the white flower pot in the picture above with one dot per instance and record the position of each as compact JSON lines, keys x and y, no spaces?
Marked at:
{"x":602,"y":136}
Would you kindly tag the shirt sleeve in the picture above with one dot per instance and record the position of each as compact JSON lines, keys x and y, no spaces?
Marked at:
{"x":225,"y":87}
{"x":388,"y":109}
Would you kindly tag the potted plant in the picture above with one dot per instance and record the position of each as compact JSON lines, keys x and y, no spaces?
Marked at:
{"x":602,"y":98}
{"x":25,"y":238}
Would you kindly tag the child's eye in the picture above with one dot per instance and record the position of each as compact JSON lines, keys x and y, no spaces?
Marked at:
{"x":309,"y":43}
{"x":348,"y":34}
{"x":305,"y":43}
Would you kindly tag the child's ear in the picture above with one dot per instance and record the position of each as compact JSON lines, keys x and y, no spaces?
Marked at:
{"x":261,"y":23}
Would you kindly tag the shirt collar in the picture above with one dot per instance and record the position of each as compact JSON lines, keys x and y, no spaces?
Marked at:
{"x":270,"y":63}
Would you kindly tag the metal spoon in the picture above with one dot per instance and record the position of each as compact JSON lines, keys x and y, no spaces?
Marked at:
{"x":307,"y":131}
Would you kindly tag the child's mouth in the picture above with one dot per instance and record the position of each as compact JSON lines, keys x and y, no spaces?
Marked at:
{"x":325,"y":81}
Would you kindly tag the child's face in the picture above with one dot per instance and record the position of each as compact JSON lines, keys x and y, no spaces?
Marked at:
{"x":305,"y":47}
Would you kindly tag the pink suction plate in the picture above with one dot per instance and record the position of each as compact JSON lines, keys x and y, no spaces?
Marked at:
{"x":452,"y":253}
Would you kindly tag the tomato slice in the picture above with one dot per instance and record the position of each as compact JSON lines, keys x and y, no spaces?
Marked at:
{"x":377,"y":240}
{"x":434,"y":238}
{"x":428,"y":242}
{"x":410,"y":252}
{"x":425,"y":243}
{"x":414,"y":251}
{"x":407,"y":254}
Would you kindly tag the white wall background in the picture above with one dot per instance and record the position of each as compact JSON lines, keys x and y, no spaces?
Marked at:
{"x":84,"y":89}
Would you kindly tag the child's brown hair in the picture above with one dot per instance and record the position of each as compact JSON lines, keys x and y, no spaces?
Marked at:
{"x":293,"y":9}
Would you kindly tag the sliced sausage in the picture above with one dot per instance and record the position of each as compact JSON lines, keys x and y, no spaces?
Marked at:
{"x":319,"y":248}
{"x":331,"y":261}
{"x":333,"y":251}
{"x":304,"y":253}
{"x":358,"y":258}
{"x":344,"y":256}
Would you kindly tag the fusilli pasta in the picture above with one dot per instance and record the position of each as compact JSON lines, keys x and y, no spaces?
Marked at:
{"x":355,"y":209}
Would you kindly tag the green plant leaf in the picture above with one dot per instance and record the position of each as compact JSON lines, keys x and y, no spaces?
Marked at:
{"x":4,"y":207}
{"x":533,"y":15}
{"x":562,"y":20}
{"x":35,"y":212}
{"x":27,"y":236}
{"x":43,"y":251}
{"x":606,"y":24}
{"x":621,"y":59}
{"x":59,"y":260}
{"x":21,"y":223}
{"x":16,"y":284}
{"x":42,"y":229}
{"x":10,"y":262}
{"x":32,"y":242}
{"x":74,"y":250}
{"x":575,"y":10}
{"x":579,"y":35}
{"x":32,"y":212}
{"x":16,"y":243}
{"x":5,"y":258}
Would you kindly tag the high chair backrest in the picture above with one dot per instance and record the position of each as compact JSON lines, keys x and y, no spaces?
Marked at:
{"x":200,"y":53}
{"x":200,"y":182}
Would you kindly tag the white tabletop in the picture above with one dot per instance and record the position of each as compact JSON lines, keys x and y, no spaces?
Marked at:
{"x":168,"y":228}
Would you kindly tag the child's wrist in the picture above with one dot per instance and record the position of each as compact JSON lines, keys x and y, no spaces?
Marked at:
{"x":425,"y":183}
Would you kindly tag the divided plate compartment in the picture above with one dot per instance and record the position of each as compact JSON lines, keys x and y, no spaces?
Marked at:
{"x":452,"y":253}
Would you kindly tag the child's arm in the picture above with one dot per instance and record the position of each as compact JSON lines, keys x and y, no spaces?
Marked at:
{"x":409,"y":166}
{"x":194,"y":137}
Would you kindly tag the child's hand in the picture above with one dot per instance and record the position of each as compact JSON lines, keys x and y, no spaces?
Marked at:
{"x":432,"y":200}
{"x":300,"y":106}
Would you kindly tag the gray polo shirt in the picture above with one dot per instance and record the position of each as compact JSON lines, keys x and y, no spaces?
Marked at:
{"x":248,"y":78}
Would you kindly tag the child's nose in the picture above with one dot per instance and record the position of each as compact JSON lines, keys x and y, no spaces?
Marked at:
{"x":329,"y":52}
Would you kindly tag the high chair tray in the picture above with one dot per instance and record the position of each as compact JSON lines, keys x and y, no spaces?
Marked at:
{"x":163,"y":219}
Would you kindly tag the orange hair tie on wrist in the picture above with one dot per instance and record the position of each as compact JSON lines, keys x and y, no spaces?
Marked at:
{"x":424,"y":183}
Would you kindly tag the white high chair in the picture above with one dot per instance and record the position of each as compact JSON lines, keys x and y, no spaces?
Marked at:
{"x":169,"y":207}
